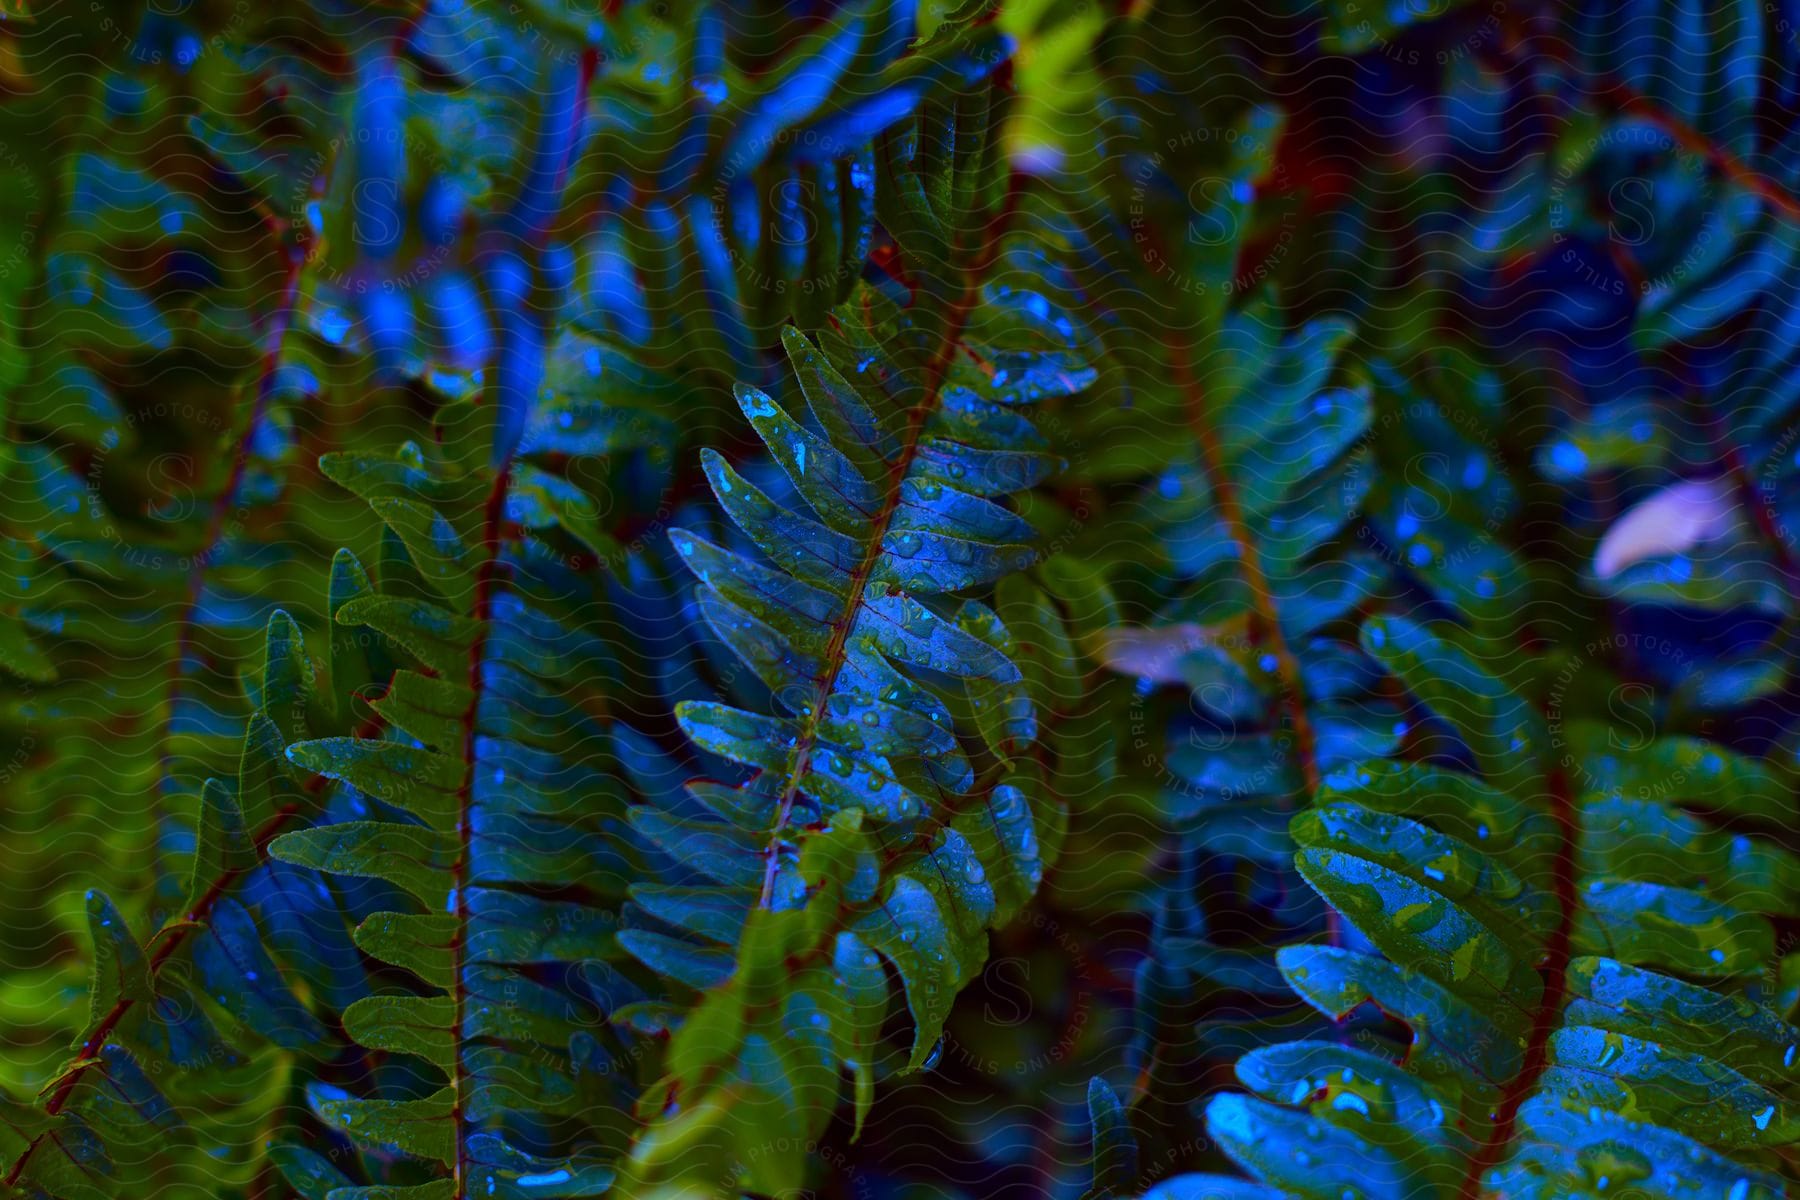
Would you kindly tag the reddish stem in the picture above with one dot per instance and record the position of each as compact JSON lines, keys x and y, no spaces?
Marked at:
{"x":1265,"y":628}
{"x":1549,"y":1011}
{"x":491,"y":572}
{"x":1623,"y":98}
{"x":171,"y":938}
{"x":834,"y":653}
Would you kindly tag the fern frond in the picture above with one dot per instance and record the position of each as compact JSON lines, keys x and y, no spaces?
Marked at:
{"x":1636,"y":1040}
{"x":175,"y":1051}
{"x":1284,"y":524}
{"x":873,"y":825}
{"x":153,"y":491}
{"x":490,"y":808}
{"x":760,"y":179}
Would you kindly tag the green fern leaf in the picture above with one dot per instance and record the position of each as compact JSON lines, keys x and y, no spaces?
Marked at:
{"x":1523,"y":1085}
{"x":865,"y":830}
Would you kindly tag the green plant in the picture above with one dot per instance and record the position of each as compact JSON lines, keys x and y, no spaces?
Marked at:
{"x":578,"y":580}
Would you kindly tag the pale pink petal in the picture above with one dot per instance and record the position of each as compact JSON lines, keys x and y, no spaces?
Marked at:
{"x":1155,"y":654}
{"x":1674,"y":520}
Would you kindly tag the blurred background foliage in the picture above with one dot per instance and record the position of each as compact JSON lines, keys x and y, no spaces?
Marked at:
{"x":357,"y":362}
